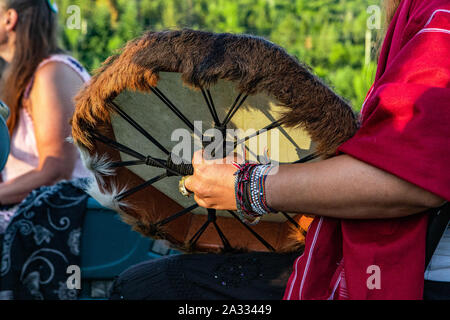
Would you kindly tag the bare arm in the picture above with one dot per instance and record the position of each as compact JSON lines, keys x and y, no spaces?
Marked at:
{"x":342,"y":187}
{"x":51,"y":98}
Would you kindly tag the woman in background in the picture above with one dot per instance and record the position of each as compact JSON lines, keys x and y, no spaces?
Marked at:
{"x":38,"y":86}
{"x":41,"y":225}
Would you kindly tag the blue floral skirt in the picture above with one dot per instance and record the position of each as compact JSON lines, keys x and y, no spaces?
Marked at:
{"x":40,"y":240}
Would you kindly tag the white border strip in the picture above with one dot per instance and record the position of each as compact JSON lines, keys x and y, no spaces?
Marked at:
{"x":433,"y":30}
{"x":425,"y":29}
{"x":338,"y":281}
{"x":433,"y":14}
{"x":295,"y":277}
{"x":305,"y":273}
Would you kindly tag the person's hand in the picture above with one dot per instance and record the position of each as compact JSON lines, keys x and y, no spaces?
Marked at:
{"x":213,"y":182}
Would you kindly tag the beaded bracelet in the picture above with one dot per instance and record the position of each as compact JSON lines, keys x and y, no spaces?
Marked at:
{"x":257,"y":189}
{"x":241,"y":191}
{"x":250,"y":192}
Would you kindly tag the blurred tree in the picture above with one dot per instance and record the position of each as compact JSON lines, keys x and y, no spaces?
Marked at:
{"x":328,"y":35}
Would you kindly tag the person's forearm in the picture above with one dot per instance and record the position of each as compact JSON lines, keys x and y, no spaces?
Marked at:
{"x":16,"y":190}
{"x":346,"y":188}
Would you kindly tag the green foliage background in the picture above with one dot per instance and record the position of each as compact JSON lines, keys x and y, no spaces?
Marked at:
{"x":328,"y":35}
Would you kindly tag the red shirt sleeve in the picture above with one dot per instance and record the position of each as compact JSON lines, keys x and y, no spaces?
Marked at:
{"x":405,"y":126}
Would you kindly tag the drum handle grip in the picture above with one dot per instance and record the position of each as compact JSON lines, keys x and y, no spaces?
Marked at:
{"x":183,"y":169}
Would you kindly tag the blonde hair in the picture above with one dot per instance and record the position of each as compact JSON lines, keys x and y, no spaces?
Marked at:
{"x":390,"y":8}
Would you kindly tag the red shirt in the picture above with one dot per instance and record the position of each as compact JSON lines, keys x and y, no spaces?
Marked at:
{"x":405,"y":130}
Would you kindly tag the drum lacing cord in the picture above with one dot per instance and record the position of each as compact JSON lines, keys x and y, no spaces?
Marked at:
{"x":212,"y":218}
{"x":181,"y":169}
{"x":184,"y":169}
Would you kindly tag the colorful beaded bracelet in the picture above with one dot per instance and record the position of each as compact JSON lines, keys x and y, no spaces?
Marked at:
{"x":250,"y":192}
